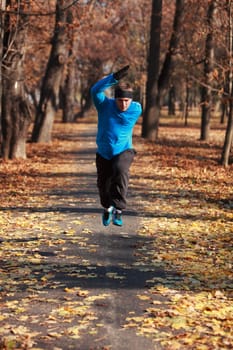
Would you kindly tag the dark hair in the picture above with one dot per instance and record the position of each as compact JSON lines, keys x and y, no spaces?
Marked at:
{"x":123,"y":90}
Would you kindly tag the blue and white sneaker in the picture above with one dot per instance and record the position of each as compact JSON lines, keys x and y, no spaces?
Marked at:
{"x":117,"y":217}
{"x":107,"y":216}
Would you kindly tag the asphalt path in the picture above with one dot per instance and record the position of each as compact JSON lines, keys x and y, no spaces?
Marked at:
{"x":118,"y":275}
{"x":100,"y":266}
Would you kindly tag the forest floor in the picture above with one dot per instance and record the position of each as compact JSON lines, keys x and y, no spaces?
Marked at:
{"x":162,"y":281}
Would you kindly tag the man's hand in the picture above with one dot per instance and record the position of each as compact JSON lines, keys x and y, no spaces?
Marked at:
{"x":121,"y":73}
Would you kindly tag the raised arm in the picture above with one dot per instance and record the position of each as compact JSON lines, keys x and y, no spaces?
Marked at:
{"x":97,"y":90}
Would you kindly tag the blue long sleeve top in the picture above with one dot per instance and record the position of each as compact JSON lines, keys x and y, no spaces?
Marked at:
{"x":115,"y":127}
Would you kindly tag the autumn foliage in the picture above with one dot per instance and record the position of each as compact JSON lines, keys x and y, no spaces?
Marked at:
{"x":182,"y":245}
{"x":165,"y":279}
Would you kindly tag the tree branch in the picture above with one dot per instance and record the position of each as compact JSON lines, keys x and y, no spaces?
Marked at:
{"x":22,"y":13}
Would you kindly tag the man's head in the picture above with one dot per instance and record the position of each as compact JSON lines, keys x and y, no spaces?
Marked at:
{"x":123,"y":96}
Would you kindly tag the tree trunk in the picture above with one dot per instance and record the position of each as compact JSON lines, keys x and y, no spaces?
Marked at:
{"x":156,"y":86}
{"x":223,"y":109}
{"x":208,"y":68}
{"x":15,"y":111}
{"x":86,"y":103}
{"x":67,"y":102}
{"x":3,"y":7}
{"x":49,"y":98}
{"x":186,"y":107}
{"x":229,"y":131}
{"x":164,"y":77}
{"x":171,"y":101}
{"x":68,"y":95}
{"x":228,"y":138}
{"x":151,"y":115}
{"x":85,"y":83}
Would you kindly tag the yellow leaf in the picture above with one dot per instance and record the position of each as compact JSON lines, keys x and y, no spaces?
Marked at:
{"x":86,"y":230}
{"x":78,"y":222}
{"x":20,"y":330}
{"x":178,"y":322}
{"x":143,"y":297}
{"x":82,"y":293}
{"x":54,"y":335}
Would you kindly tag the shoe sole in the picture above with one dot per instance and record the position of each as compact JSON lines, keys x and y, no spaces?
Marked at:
{"x":106,"y":224}
{"x":117,"y":223}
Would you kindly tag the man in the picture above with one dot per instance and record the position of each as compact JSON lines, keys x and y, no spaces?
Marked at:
{"x":116,"y":119}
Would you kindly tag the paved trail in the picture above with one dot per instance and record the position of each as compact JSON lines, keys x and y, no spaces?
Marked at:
{"x":113,"y":261}
{"x":92,"y":275}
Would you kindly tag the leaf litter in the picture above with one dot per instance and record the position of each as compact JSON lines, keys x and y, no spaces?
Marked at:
{"x":186,"y":203}
{"x":189,"y":222}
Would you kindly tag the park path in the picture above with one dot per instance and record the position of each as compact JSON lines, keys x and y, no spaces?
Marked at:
{"x":110,"y":260}
{"x":80,"y":285}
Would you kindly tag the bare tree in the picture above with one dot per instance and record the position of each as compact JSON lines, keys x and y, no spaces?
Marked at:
{"x":49,"y":97}
{"x":15,"y":111}
{"x":157,"y":85}
{"x":229,"y":130}
{"x":206,"y":100}
{"x":3,"y":8}
{"x":67,"y":90}
{"x":150,"y":118}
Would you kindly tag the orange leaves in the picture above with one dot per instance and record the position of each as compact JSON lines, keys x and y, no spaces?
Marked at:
{"x":53,"y":263}
{"x":194,"y":318}
{"x":188,"y":232}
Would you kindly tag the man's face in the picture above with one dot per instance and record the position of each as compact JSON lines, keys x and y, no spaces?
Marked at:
{"x":123,"y":103}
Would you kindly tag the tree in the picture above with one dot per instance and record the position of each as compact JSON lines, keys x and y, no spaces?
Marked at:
{"x":49,"y":96}
{"x":112,"y":34}
{"x":67,"y":90}
{"x":206,"y":100}
{"x":15,"y":110}
{"x":76,"y":45}
{"x":158,"y":84}
{"x":229,"y":130}
{"x":150,"y":118}
{"x":3,"y":8}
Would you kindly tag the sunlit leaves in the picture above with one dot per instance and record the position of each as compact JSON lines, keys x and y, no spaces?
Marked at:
{"x":189,"y":229}
{"x":183,"y":244}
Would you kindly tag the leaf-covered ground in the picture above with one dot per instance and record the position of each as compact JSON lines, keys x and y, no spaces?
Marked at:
{"x":188,"y":202}
{"x":182,"y":247}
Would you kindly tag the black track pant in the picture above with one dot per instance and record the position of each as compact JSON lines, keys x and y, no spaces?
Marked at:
{"x":113,"y":179}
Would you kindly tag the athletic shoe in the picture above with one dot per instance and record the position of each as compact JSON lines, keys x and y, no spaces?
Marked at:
{"x":107,"y":216}
{"x":117,"y":218}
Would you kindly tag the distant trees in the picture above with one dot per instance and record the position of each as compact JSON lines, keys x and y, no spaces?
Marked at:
{"x":197,"y":54}
{"x":54,"y":50}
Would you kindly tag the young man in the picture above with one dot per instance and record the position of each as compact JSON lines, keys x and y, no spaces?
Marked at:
{"x":116,"y":119}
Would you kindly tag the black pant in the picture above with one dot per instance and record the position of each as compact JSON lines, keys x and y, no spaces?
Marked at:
{"x":113,"y":178}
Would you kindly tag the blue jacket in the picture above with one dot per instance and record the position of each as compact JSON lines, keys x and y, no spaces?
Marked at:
{"x":115,"y":128}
